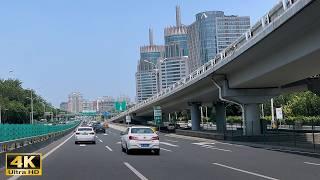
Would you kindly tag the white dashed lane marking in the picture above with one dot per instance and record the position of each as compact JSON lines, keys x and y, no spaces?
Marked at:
{"x":108,"y":148}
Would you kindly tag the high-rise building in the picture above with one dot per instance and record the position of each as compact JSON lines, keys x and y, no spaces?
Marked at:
{"x":64,"y":106}
{"x":87,"y":106}
{"x":174,"y":66}
{"x":105,"y":104}
{"x":147,"y":75}
{"x":211,"y":33}
{"x":75,"y":102}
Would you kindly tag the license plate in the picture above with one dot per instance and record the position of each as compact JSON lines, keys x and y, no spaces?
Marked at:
{"x":85,"y":133}
{"x":144,"y":145}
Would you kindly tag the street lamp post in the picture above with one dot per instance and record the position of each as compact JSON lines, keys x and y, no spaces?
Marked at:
{"x":156,"y":69}
{"x":31,"y":99}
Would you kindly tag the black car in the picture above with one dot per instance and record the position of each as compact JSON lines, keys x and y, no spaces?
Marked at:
{"x":99,"y":129}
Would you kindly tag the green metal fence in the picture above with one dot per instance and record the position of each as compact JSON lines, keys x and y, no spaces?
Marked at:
{"x":10,"y":132}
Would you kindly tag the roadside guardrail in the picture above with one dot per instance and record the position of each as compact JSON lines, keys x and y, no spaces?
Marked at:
{"x":13,"y":136}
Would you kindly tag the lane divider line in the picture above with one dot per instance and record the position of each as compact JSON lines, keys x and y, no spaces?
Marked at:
{"x":219,"y":149}
{"x":108,"y":148}
{"x":46,"y":155}
{"x":206,"y":146}
{"x":169,"y":144}
{"x":166,"y":149}
{"x":171,"y":141}
{"x":82,"y":145}
{"x":310,"y":163}
{"x":100,"y":140}
{"x":136,"y":172}
{"x":244,"y":171}
{"x":105,"y":134}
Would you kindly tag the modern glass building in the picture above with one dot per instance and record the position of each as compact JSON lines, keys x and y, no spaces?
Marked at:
{"x":211,"y":33}
{"x":174,"y":66}
{"x":147,"y":78}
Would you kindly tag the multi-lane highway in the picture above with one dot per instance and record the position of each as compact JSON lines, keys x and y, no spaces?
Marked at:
{"x":180,"y":158}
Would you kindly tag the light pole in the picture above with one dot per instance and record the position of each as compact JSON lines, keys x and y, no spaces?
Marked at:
{"x":31,"y":99}
{"x":272,"y":114}
{"x":156,"y":69}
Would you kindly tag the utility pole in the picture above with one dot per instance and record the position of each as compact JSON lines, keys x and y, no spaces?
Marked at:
{"x":272,"y":113}
{"x":31,"y":107}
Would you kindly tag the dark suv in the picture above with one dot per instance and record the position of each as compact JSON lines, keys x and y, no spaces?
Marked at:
{"x":98,"y":128}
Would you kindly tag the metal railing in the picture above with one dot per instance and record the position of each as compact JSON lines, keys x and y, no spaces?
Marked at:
{"x":275,"y":13}
{"x":12,"y":132}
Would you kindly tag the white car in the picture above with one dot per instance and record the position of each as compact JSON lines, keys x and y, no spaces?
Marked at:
{"x":85,"y":134}
{"x":140,"y":138}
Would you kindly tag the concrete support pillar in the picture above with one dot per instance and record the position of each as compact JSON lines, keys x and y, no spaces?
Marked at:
{"x":252,"y":120}
{"x":195,"y":116}
{"x":220,"y":117}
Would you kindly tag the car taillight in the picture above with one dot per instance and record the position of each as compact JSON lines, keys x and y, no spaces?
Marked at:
{"x":133,"y":138}
{"x":77,"y":133}
{"x":155,"y":138}
{"x":92,"y":133}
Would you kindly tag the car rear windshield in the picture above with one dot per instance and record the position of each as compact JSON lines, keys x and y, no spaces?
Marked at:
{"x":141,"y":131}
{"x":85,"y":129}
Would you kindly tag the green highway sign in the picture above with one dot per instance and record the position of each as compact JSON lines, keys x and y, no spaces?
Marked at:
{"x":120,"y":106}
{"x":157,"y":113}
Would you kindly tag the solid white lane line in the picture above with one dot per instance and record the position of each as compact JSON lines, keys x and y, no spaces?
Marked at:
{"x":244,"y":171}
{"x":54,"y":149}
{"x":219,"y":149}
{"x":166,"y":149}
{"x":108,"y":148}
{"x":137,"y":173}
{"x":46,"y":155}
{"x":316,"y":164}
{"x":82,"y":145}
{"x":171,"y":140}
{"x":169,"y":144}
{"x":100,"y":140}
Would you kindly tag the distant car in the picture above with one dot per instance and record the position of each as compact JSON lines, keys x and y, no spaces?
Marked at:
{"x":171,"y":127}
{"x":140,"y":138}
{"x":85,"y":134}
{"x":99,"y":129}
{"x":94,"y":125}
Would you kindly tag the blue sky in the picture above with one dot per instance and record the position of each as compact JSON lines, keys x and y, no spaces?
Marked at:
{"x":57,"y":47}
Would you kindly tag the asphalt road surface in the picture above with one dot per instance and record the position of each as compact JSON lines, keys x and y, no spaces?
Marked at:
{"x":180,"y":158}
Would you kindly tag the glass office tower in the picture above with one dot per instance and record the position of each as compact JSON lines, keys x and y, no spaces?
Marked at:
{"x":211,"y":33}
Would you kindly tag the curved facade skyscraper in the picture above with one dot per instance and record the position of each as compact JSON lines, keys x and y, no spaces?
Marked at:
{"x":211,"y":33}
{"x":174,"y":66}
{"x":147,"y":71}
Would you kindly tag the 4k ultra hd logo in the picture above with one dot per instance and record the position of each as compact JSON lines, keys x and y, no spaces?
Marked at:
{"x":25,"y":164}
